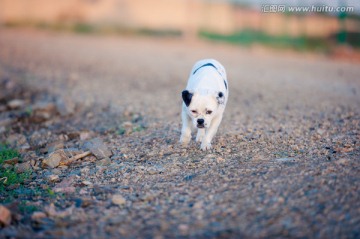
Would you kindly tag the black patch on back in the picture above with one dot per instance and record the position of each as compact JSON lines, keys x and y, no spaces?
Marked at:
{"x":208,"y":64}
{"x":212,"y":65}
{"x":186,"y":95}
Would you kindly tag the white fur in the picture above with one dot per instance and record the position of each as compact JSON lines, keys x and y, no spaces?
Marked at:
{"x":205,"y":86}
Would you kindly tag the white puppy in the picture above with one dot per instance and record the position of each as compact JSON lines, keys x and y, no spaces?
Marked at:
{"x":204,"y":101}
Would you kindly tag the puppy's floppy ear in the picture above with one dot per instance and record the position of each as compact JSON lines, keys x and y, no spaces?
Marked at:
{"x":186,"y":95}
{"x":220,"y":98}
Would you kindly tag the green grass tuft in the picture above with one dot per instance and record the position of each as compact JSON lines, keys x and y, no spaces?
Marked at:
{"x":250,"y":37}
{"x":13,"y":177}
{"x":8,"y":175}
{"x":26,"y":208}
{"x":6,"y":153}
{"x":121,"y":131}
{"x":138,"y":128}
{"x":84,"y":28}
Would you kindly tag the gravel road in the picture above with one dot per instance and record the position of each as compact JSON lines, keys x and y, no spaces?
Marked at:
{"x":285,"y":161}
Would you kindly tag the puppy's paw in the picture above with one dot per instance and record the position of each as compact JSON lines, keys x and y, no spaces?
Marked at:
{"x":205,"y":146}
{"x":200,"y":135}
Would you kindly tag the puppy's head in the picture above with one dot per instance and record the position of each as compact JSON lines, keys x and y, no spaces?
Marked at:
{"x":202,"y":108}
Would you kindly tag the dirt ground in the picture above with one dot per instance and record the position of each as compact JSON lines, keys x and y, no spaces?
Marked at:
{"x":285,"y":161}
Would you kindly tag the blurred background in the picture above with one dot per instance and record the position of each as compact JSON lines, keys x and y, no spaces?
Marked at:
{"x":276,"y":24}
{"x":285,"y":162}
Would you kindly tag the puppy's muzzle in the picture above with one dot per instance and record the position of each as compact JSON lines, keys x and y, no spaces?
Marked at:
{"x":200,"y":123}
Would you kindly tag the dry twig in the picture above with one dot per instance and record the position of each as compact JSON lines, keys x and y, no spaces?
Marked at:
{"x":76,"y":157}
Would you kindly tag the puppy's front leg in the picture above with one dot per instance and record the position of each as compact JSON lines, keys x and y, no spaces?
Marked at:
{"x":200,"y":135}
{"x":186,"y":129}
{"x":206,"y":143}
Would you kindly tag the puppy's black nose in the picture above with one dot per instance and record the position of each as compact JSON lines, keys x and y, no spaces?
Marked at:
{"x":200,"y":121}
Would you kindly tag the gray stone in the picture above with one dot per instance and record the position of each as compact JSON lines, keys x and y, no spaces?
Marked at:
{"x":87,"y":183}
{"x":103,"y":162}
{"x":16,"y":140}
{"x":152,"y":171}
{"x":53,"y":178}
{"x":56,"y":171}
{"x":117,"y":199}
{"x":5,"y":216}
{"x":85,"y":135}
{"x":52,"y":147}
{"x":7,"y":121}
{"x":84,"y":171}
{"x":54,"y":159}
{"x":24,"y":148}
{"x":19,"y":142}
{"x":16,"y":104}
{"x":156,"y":169}
{"x":37,"y":216}
{"x":39,"y":138}
{"x":65,"y":106}
{"x":2,"y":108}
{"x":44,"y":106}
{"x":65,"y":185}
{"x":98,"y":148}
{"x":42,"y":111}
{"x":2,"y":129}
{"x":281,"y":160}
{"x":23,"y":167}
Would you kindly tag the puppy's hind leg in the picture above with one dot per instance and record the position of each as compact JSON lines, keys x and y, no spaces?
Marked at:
{"x":186,"y":129}
{"x":200,"y":135}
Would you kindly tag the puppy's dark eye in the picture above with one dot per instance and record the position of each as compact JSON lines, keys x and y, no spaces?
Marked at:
{"x":194,"y":111}
{"x":208,"y":112}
